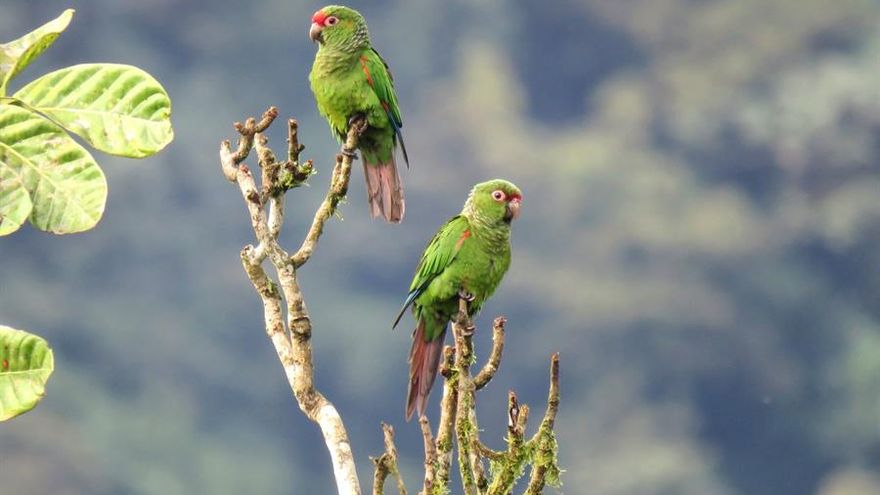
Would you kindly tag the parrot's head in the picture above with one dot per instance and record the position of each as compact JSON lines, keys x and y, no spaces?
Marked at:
{"x":495,"y":201}
{"x":339,"y":27}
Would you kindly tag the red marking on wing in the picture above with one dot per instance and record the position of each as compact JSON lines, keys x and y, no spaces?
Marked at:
{"x":460,"y":241}
{"x":5,"y":364}
{"x":367,"y":71}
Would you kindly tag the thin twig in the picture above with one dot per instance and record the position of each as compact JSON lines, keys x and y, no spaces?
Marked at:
{"x":430,"y":455}
{"x":544,"y":441}
{"x":229,"y":160}
{"x":514,"y":459}
{"x":386,"y":464}
{"x":448,"y":405}
{"x":294,"y":147}
{"x":338,"y":190}
{"x":380,"y":473}
{"x":476,"y":460}
{"x":491,"y":367}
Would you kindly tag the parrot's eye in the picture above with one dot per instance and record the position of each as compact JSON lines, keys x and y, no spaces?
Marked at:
{"x":498,"y":195}
{"x":331,"y":21}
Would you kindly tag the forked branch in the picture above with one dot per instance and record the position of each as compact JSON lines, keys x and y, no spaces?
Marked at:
{"x":289,"y":328}
{"x":286,"y":318}
{"x":458,"y":422}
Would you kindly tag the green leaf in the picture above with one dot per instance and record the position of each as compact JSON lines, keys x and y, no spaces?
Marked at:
{"x":26,"y":361}
{"x":15,"y":202}
{"x":118,"y":109}
{"x":18,"y":54}
{"x":67,"y":188}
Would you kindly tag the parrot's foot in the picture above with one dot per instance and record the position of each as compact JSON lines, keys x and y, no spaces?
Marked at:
{"x":467,"y":296}
{"x":359,"y":122}
{"x":349,"y":153}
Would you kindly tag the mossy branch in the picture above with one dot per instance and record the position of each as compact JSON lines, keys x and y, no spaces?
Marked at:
{"x":545,"y":466}
{"x":458,"y":423}
{"x":469,"y":464}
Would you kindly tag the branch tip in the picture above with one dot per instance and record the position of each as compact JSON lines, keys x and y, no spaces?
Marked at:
{"x":335,"y":193}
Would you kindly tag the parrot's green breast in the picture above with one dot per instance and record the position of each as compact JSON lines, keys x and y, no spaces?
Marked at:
{"x":477,"y":268}
{"x":341,"y":90}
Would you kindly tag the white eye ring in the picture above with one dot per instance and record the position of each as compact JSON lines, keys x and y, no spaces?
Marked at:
{"x":498,"y":195}
{"x":332,"y":20}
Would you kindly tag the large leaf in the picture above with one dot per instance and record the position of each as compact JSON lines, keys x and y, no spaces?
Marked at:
{"x":119,"y":109}
{"x":26,"y":361}
{"x":67,"y":188}
{"x":15,"y":202}
{"x":16,"y":55}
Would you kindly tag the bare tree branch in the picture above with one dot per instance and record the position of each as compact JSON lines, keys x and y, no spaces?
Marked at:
{"x":291,"y":338}
{"x":430,"y":455}
{"x":491,"y":367}
{"x":338,"y":190}
{"x":386,"y":464}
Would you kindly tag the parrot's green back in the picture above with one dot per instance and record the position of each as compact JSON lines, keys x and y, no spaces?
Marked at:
{"x":350,"y":78}
{"x":469,"y":254}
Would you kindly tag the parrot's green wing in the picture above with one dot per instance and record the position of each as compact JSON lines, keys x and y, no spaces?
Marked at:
{"x":437,"y":256}
{"x":380,"y":79}
{"x":382,"y":82}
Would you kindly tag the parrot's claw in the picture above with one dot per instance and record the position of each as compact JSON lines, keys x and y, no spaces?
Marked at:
{"x":359,"y":122}
{"x":467,"y":296}
{"x":350,"y":153}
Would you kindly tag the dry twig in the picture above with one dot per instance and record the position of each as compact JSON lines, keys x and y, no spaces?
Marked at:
{"x":386,"y":464}
{"x":430,"y":455}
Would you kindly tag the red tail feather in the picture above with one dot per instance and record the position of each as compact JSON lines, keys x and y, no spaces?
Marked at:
{"x":384,"y":191}
{"x":424,"y":359}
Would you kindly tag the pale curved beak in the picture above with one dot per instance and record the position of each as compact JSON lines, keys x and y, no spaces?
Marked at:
{"x":512,"y":209}
{"x":315,"y":32}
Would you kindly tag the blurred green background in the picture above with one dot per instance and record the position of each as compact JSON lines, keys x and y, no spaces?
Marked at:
{"x":700,"y":239}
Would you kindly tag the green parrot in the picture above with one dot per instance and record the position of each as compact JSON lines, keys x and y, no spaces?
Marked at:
{"x":467,"y":257}
{"x":350,"y":79}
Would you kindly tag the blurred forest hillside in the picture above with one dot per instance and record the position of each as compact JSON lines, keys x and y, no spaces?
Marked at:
{"x":700,"y":238}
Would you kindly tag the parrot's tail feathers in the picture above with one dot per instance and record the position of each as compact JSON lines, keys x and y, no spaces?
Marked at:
{"x":384,"y":190}
{"x":424,"y":359}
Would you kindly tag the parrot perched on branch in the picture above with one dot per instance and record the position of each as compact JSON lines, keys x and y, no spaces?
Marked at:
{"x":350,"y":80}
{"x":467,"y":258}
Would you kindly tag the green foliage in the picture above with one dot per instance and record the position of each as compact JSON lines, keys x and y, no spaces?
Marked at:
{"x":118,"y":109}
{"x":16,"y":55}
{"x":26,"y":361}
{"x":50,"y":179}
{"x":15,"y":202}
{"x":67,"y":188}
